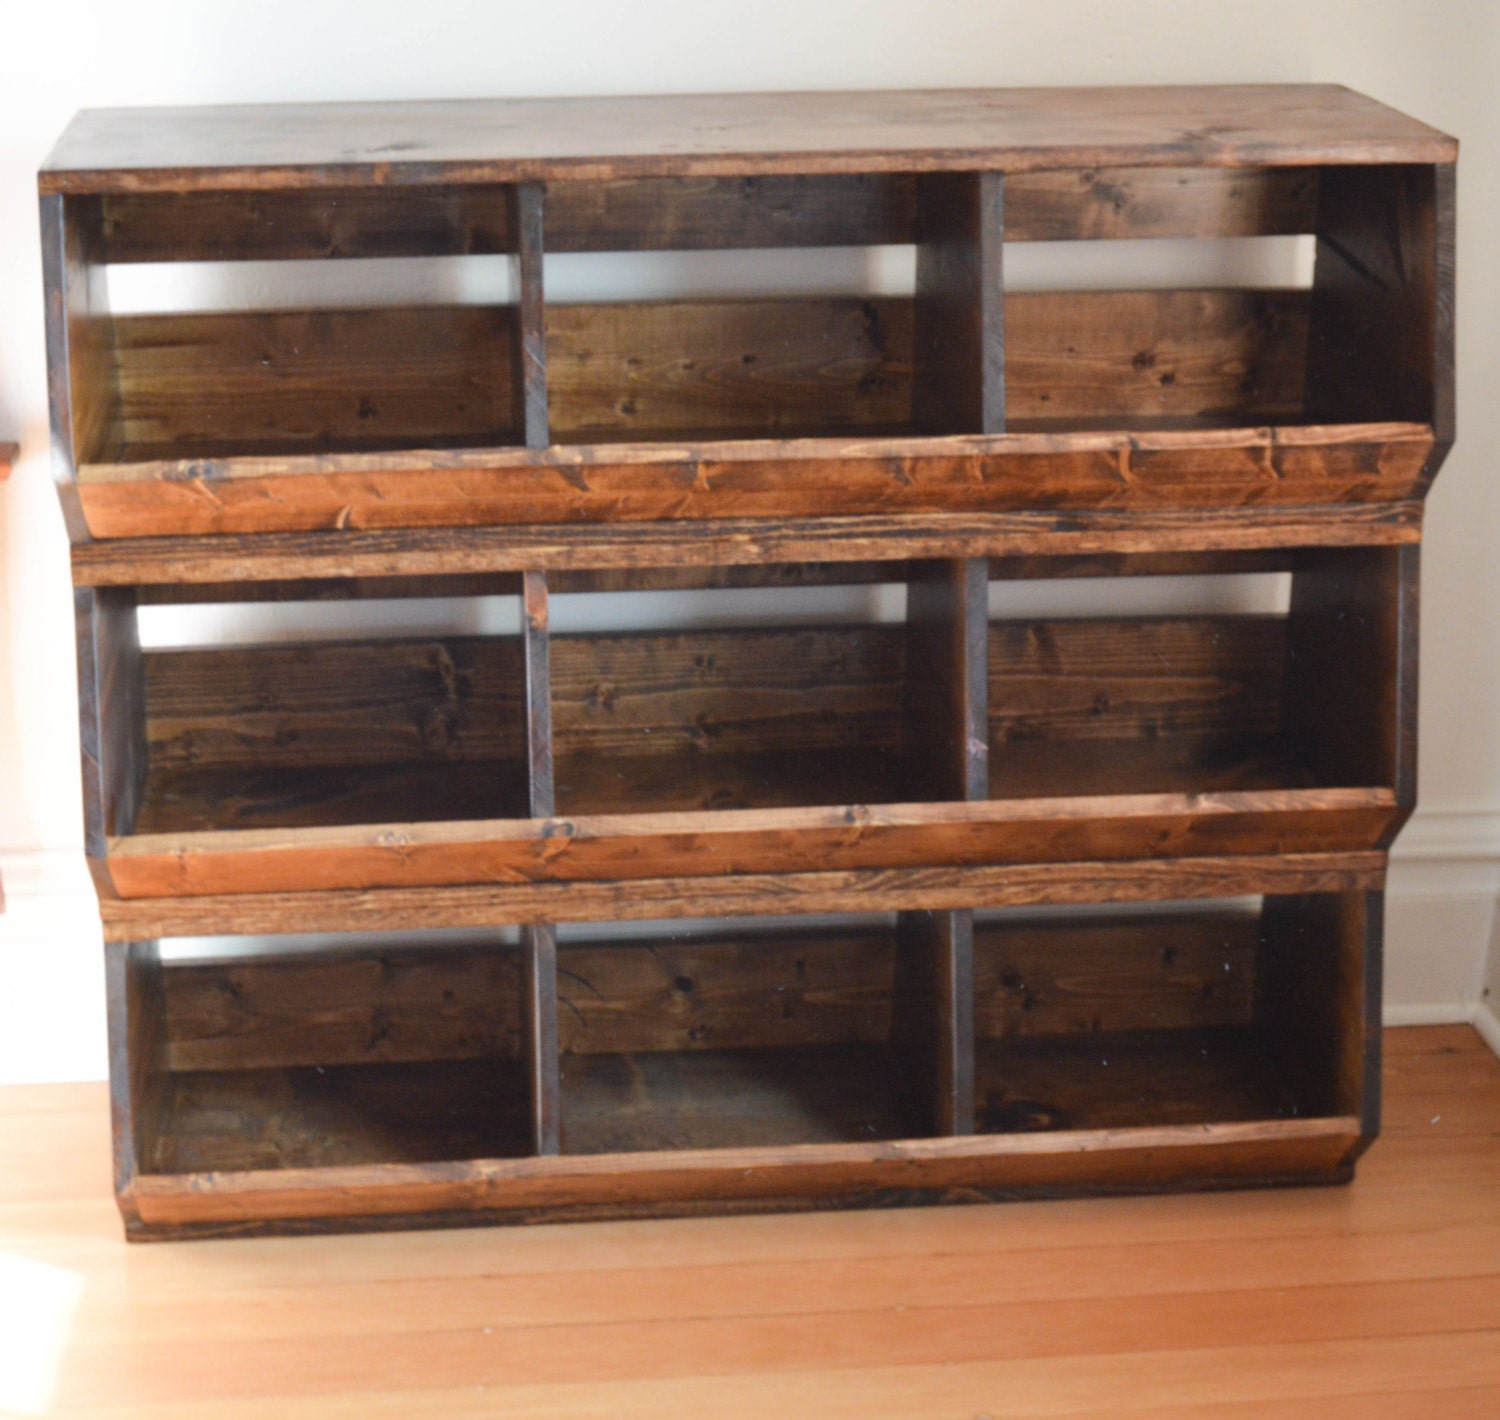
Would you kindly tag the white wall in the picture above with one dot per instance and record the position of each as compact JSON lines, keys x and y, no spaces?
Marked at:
{"x":1438,"y":61}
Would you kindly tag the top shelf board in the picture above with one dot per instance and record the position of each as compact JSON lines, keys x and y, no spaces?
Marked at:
{"x":728,"y":135}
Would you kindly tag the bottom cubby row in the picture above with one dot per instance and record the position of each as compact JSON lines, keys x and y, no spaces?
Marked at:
{"x":261,"y":1077}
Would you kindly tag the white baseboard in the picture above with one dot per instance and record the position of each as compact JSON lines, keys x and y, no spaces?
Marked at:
{"x":1487,"y":1023}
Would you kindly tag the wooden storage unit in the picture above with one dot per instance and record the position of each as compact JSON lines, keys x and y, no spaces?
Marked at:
{"x":952,"y":837}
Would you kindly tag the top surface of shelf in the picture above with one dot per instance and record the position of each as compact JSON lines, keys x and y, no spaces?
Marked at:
{"x":499,"y":140}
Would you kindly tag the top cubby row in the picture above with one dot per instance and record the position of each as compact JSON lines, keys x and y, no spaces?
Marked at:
{"x":910,"y":374}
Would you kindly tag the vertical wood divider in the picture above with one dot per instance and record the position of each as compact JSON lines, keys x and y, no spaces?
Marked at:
{"x":947,"y":680}
{"x":539,"y":968}
{"x":82,"y":381}
{"x":959,"y":380}
{"x":539,"y":941}
{"x":531,"y":327}
{"x":934,"y":1015}
{"x":538,"y":695}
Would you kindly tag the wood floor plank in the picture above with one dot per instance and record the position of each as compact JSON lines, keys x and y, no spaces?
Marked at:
{"x":1379,"y":1300}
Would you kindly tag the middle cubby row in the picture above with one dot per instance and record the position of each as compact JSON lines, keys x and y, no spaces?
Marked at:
{"x":919,"y":713}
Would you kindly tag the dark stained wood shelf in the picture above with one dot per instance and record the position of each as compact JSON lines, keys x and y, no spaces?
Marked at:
{"x":1105,"y":889}
{"x":716,"y":1099}
{"x":326,"y":1116}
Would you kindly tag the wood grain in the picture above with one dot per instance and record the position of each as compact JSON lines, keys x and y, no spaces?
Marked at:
{"x":337,"y":703}
{"x":947,"y":744}
{"x":1166,"y":972}
{"x":271,"y":557}
{"x":305,"y":226}
{"x":388,"y":1005}
{"x":1147,"y":472}
{"x":879,"y":209}
{"x":112,"y":712}
{"x":204,"y":385}
{"x":877,"y":890}
{"x":627,"y":847}
{"x":508,"y":140}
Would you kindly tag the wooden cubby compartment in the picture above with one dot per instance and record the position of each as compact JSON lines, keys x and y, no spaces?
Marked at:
{"x":768,"y":705}
{"x":261,"y":378}
{"x":1204,"y":702}
{"x":1182,"y":1015}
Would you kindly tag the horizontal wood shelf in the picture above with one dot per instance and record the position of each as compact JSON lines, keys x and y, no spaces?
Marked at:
{"x":507,"y":140}
{"x":927,"y":863}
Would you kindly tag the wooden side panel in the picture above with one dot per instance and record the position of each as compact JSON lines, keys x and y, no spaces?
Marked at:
{"x":959,"y":317}
{"x":1382,"y":302}
{"x":539,"y":967}
{"x":1317,"y":999}
{"x":729,"y":369}
{"x":311,"y":381}
{"x":1096,"y":976}
{"x":933,"y":1029}
{"x":1351,"y":672}
{"x":780,"y":988}
{"x":112,"y":712}
{"x":538,"y":695}
{"x":348,"y":1008}
{"x":745,"y":690}
{"x":269,"y":225}
{"x":947,"y":744}
{"x":82,"y":380}
{"x":137,"y":1058}
{"x":338,"y":703}
{"x":1103,"y":359}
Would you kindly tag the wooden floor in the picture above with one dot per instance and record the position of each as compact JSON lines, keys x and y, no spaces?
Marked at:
{"x":1373,"y":1301}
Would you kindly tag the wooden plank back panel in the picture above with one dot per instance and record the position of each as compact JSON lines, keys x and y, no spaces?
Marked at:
{"x":1079,"y":977}
{"x":328,"y":223}
{"x":314,"y":380}
{"x":731,"y":991}
{"x":823,"y":366}
{"x":1117,"y":357}
{"x":806,"y":366}
{"x":338,"y":703}
{"x":1101,"y":203}
{"x":879,"y":209}
{"x":1135,"y":678}
{"x":739,"y":690}
{"x":82,"y":379}
{"x":352,"y":1008}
